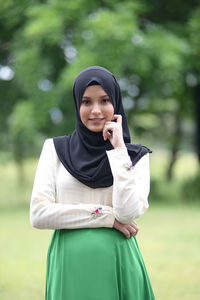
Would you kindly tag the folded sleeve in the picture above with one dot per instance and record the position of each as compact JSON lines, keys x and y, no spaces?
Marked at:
{"x":46,"y":213}
{"x":131,"y":185}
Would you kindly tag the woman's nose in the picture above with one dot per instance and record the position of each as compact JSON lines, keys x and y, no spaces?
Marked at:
{"x":96,"y":109}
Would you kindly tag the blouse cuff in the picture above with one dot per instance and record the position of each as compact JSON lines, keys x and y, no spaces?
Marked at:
{"x":119,"y":160}
{"x":110,"y":221}
{"x":103,"y":213}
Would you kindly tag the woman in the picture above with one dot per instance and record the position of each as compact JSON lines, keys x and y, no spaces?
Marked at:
{"x":89,"y":187}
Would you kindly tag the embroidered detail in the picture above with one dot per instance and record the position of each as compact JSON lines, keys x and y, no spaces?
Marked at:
{"x":96,"y":213}
{"x":128,"y":166}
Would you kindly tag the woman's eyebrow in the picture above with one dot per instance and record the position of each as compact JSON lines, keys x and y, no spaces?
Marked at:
{"x":87,"y":97}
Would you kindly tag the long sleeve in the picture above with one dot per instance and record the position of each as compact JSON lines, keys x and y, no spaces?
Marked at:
{"x":48,"y":212}
{"x":131,"y":187}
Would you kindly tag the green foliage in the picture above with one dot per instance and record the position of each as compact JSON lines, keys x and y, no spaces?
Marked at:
{"x":22,"y":123}
{"x":47,"y":44}
{"x":29,"y":69}
{"x":193,"y":29}
{"x":22,"y":130}
{"x":45,"y":24}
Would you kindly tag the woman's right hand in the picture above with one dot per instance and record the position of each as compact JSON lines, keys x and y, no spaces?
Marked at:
{"x":128,"y":230}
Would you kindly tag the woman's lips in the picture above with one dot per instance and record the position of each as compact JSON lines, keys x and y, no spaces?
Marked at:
{"x":96,"y":120}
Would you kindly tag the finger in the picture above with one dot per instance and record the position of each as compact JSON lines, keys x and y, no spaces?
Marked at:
{"x":132,"y":231}
{"x":127,"y":234}
{"x":110,"y":126}
{"x":107,"y":133}
{"x":104,"y":132}
{"x":107,"y":130}
{"x":134,"y":227}
{"x":118,"y":118}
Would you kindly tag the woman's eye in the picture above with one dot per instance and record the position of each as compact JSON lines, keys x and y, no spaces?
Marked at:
{"x":86,"y":102}
{"x":106,"y":100}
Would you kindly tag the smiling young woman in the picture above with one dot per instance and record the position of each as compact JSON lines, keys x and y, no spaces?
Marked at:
{"x":90,"y":187}
{"x":96,"y":108}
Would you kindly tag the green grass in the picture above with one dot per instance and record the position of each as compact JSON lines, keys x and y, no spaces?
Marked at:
{"x":23,"y":256}
{"x":168,"y":238}
{"x":170,"y":241}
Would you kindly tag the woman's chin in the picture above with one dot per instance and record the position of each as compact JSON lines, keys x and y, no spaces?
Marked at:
{"x":95,"y":128}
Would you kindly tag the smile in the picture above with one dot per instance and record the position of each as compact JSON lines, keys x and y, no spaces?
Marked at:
{"x":96,"y":120}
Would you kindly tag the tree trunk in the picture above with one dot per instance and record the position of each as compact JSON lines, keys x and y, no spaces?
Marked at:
{"x":197,"y":104}
{"x":175,"y":146}
{"x":21,"y":173}
{"x":173,"y":158}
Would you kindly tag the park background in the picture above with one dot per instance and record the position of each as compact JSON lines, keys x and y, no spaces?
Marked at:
{"x":153,"y":48}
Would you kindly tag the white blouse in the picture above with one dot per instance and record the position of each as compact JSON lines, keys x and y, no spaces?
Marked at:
{"x":60,"y":201}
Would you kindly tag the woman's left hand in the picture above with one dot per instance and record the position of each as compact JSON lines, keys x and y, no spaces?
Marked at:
{"x":113,"y":132}
{"x":128,"y":230}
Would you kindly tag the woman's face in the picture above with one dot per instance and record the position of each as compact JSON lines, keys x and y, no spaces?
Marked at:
{"x":96,"y":108}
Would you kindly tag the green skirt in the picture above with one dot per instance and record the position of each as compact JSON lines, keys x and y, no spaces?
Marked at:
{"x":95,"y":264}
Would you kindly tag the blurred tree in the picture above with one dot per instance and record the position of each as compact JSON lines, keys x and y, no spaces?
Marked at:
{"x":194,"y":37}
{"x":183,"y":19}
{"x":152,"y":48}
{"x":22,"y":133}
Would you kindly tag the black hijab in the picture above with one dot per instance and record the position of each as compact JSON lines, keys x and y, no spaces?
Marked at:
{"x":83,"y":153}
